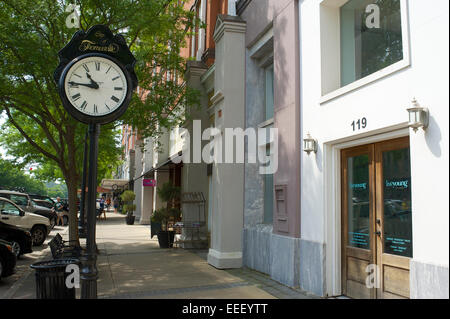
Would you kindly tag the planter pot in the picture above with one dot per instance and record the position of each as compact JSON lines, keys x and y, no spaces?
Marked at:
{"x":155,"y":227}
{"x":165,"y":239}
{"x":130,"y":219}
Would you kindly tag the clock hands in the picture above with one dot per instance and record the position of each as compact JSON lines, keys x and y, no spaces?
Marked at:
{"x":89,"y":85}
{"x":92,"y":85}
{"x":92,"y":81}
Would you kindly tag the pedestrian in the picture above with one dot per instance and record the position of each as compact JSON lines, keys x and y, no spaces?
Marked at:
{"x":116,"y":204}
{"x":108,"y":203}
{"x":58,"y":209}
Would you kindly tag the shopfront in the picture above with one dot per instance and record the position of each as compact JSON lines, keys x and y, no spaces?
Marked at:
{"x":376,"y":220}
{"x":374,"y":191}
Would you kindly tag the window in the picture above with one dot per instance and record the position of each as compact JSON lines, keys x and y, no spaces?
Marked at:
{"x":19,"y":200}
{"x":268,"y":178}
{"x":361,"y":41}
{"x":9,"y":209}
{"x":269,"y":92}
{"x":262,"y":69}
{"x":371,"y":37}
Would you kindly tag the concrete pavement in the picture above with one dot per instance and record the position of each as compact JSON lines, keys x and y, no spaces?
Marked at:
{"x":131,"y":265}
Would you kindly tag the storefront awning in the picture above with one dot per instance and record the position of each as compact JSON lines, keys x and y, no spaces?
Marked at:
{"x":164,"y":165}
{"x":108,"y":183}
{"x":99,"y":190}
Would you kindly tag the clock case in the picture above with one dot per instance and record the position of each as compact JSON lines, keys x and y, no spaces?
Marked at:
{"x":97,"y":41}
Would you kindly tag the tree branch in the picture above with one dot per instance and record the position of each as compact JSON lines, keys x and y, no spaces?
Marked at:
{"x":30,"y":140}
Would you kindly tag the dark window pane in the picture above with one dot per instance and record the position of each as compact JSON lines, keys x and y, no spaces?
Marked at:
{"x":397,"y":203}
{"x":369,"y":41}
{"x":19,"y":200}
{"x":358,"y":202}
{"x":9,"y":209}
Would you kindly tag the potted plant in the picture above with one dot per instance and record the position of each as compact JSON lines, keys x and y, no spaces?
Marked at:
{"x":128,"y":207}
{"x":171,"y":213}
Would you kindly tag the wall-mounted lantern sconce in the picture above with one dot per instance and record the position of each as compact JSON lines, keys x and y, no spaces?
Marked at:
{"x":309,"y":144}
{"x":418,"y":116}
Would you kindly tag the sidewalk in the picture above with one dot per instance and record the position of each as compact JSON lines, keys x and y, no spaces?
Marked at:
{"x":131,"y":265}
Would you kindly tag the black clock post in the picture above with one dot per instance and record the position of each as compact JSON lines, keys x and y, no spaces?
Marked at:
{"x":81,"y":221}
{"x":96,"y":80}
{"x":88,"y":272}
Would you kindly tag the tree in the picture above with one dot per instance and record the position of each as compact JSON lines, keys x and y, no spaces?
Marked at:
{"x":57,"y":190}
{"x":38,"y":128}
{"x":13,"y":177}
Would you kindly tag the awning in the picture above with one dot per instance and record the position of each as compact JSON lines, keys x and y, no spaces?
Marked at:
{"x":163,"y":166}
{"x":108,"y":183}
{"x":99,"y":190}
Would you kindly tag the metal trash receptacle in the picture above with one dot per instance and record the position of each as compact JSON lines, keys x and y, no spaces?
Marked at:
{"x":51,"y":279}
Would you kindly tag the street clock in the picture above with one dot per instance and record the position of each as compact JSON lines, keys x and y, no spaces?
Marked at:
{"x":96,"y":76}
{"x":96,"y":80}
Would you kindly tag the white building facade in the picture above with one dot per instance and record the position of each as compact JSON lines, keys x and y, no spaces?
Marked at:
{"x":376,"y":191}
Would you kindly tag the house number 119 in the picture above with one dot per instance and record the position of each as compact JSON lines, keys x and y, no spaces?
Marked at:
{"x":360,"y":124}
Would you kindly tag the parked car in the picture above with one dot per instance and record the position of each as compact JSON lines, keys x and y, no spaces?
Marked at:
{"x":25,"y":202}
{"x":7,"y":259}
{"x":19,"y":238}
{"x":42,"y":201}
{"x":48,"y":202}
{"x":37,"y":225}
{"x":48,"y":199}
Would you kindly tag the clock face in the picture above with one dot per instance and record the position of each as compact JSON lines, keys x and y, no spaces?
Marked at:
{"x":95,"y":86}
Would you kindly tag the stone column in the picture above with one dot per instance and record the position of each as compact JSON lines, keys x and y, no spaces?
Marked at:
{"x":201,"y":31}
{"x":138,"y":183}
{"x":228,"y":179}
{"x":194,"y":174}
{"x":147,"y":192}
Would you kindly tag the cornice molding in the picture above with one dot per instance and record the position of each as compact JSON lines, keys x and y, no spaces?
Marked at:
{"x":195,"y":68}
{"x":230,"y":24}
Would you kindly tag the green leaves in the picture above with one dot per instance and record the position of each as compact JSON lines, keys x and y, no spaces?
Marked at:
{"x":169,"y":193}
{"x":38,"y":129}
{"x":13,"y":176}
{"x":128,"y":196}
{"x":31,"y":34}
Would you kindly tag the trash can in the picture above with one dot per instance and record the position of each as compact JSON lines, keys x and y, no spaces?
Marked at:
{"x":51,"y":279}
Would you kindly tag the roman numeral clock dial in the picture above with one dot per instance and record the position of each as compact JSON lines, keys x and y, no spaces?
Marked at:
{"x":95,"y":86}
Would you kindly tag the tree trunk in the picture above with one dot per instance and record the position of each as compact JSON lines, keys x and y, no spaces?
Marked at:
{"x":72,"y":178}
{"x":72,"y":187}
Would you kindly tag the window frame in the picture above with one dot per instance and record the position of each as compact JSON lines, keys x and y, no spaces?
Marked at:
{"x":267,"y":69}
{"x":329,"y":49}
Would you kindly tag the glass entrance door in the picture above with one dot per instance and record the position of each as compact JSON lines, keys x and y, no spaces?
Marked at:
{"x":376,"y":220}
{"x":393,"y":217}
